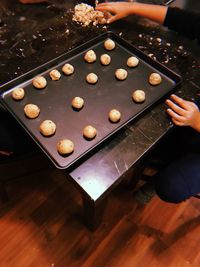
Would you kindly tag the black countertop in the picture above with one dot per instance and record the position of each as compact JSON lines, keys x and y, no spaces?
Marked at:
{"x":31,"y":35}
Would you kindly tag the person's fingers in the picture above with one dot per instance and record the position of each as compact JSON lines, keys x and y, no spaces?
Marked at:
{"x":112,"y":19}
{"x":104,"y":7}
{"x":178,"y":123}
{"x":109,"y":9}
{"x":107,"y":15}
{"x":174,"y":115}
{"x":106,"y":3}
{"x":175,"y":107}
{"x":99,"y":5}
{"x":181,"y":102}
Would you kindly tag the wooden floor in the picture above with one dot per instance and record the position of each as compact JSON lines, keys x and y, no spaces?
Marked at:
{"x":41,"y":226}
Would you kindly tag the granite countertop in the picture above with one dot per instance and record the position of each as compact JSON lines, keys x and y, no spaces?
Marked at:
{"x":34,"y":34}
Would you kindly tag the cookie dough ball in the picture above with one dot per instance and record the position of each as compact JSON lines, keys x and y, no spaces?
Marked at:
{"x":39,"y":82}
{"x":55,"y":75}
{"x":114,"y":115}
{"x":121,"y":74}
{"x":138,"y":96}
{"x":109,"y":44}
{"x":18,"y":93}
{"x":90,"y":56}
{"x":68,"y":69}
{"x":92,"y":78}
{"x":89,"y":132}
{"x":105,"y":59}
{"x":155,"y":79}
{"x":65,"y":147}
{"x":47,"y":128}
{"x":77,"y":102}
{"x":32,"y":111}
{"x":132,"y":62}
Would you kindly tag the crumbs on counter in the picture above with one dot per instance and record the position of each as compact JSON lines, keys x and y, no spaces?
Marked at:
{"x":167,"y":51}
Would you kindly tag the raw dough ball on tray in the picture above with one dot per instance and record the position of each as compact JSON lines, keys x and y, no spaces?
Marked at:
{"x":138,"y":96}
{"x":105,"y":59}
{"x":114,"y":115}
{"x":89,"y":132}
{"x":18,"y":93}
{"x":32,"y":111}
{"x":90,"y":56}
{"x":92,"y":78}
{"x":121,"y":74}
{"x":155,"y":78}
{"x":55,"y":75}
{"x":77,"y":102}
{"x":132,"y":62}
{"x":109,"y":44}
{"x":65,"y":147}
{"x":47,"y":127}
{"x":68,"y":69}
{"x":39,"y":82}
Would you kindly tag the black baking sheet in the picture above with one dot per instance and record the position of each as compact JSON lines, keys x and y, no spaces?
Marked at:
{"x":108,"y":93}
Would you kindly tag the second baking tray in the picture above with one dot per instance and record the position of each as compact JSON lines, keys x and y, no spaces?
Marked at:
{"x":108,"y":93}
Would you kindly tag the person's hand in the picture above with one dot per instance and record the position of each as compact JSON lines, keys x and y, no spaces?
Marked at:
{"x":183,"y":112}
{"x":117,"y":10}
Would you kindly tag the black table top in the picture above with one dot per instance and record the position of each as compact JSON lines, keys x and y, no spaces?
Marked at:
{"x":34,"y":34}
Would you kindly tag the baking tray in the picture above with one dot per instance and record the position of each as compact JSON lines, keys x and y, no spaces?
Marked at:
{"x":108,"y":93}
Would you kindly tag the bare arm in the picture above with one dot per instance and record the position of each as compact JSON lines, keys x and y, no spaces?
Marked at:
{"x":120,"y":10}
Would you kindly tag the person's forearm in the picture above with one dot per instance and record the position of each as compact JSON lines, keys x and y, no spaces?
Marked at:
{"x":156,"y":13}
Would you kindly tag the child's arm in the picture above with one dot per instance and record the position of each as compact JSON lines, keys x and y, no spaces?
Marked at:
{"x":120,"y":10}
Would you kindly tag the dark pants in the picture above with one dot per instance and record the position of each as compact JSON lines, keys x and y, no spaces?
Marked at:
{"x":181,"y":178}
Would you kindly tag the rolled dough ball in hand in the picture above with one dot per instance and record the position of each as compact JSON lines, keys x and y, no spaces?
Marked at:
{"x":121,"y":74}
{"x":47,"y":127}
{"x":155,"y":79}
{"x":39,"y":82}
{"x":32,"y":111}
{"x":18,"y":93}
{"x":105,"y":59}
{"x":68,"y":69}
{"x":92,"y":78}
{"x":138,"y":96}
{"x":65,"y":147}
{"x":77,"y":102}
{"x":114,"y":115}
{"x":89,"y":132}
{"x":55,"y":75}
{"x":109,"y":44}
{"x":90,"y":56}
{"x":132,"y":62}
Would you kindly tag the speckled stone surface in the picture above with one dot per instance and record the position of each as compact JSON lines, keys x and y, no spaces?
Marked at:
{"x":34,"y":34}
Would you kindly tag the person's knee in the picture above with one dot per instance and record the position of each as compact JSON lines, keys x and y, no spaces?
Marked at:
{"x":171,"y":189}
{"x":168,"y":195}
{"x":180,"y":180}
